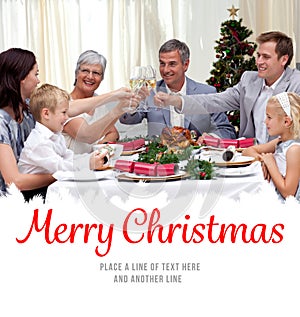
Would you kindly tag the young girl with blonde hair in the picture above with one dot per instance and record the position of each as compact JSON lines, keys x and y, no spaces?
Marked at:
{"x":281,"y":157}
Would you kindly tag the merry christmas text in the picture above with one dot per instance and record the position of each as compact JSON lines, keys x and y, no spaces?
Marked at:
{"x":153,"y":231}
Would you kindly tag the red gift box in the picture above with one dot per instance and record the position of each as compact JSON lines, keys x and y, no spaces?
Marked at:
{"x":127,"y":146}
{"x":124,"y":166}
{"x":138,"y":143}
{"x":167,"y":169}
{"x":246,"y":142}
{"x":211,"y":141}
{"x":133,"y":145}
{"x":224,"y":143}
{"x":145,"y":168}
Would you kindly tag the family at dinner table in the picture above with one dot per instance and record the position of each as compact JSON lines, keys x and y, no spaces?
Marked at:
{"x":46,"y":129}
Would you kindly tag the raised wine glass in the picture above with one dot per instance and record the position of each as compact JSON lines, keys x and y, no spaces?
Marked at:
{"x":136,"y":81}
{"x":149,"y":75}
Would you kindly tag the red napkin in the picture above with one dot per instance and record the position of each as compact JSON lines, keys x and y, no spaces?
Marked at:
{"x":124,"y":166}
{"x":145,"y":168}
{"x":167,"y":169}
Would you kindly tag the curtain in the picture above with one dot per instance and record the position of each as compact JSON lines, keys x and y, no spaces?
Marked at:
{"x":129,"y":32}
{"x":272,"y":15}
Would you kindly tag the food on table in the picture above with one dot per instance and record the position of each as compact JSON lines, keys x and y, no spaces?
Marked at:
{"x":176,"y":138}
{"x":200,"y":169}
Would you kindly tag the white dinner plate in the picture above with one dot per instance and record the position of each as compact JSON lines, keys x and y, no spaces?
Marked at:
{"x":238,"y":171}
{"x":136,"y":177}
{"x":235,"y":172}
{"x":83,"y":176}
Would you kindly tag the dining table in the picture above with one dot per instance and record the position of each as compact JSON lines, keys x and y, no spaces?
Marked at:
{"x":107,"y":191}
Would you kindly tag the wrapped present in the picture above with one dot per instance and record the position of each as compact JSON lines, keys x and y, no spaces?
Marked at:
{"x":224,"y":143}
{"x":167,"y":169}
{"x":133,"y":145}
{"x":246,"y":142}
{"x":124,"y":166}
{"x":127,"y":146}
{"x":138,"y":143}
{"x":145,"y":168}
{"x":211,"y":141}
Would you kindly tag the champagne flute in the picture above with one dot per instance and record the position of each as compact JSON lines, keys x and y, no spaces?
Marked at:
{"x":136,"y":79}
{"x":150,"y":83}
{"x":135,"y":83}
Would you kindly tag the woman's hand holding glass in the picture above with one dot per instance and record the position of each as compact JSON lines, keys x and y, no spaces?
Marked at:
{"x":123,"y":93}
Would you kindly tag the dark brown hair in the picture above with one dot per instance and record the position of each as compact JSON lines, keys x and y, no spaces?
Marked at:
{"x":284,"y":44}
{"x":15,"y":65}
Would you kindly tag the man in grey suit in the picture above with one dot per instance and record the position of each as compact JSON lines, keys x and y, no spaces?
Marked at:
{"x":174,"y":58}
{"x":251,"y":94}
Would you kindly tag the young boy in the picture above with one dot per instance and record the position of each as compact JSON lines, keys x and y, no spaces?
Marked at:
{"x":45,"y":150}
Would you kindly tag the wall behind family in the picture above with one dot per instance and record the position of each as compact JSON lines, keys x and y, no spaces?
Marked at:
{"x":129,"y":32}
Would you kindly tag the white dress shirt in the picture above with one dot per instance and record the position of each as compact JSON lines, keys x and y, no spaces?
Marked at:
{"x":46,"y":152}
{"x":259,"y":112}
{"x":176,"y":118}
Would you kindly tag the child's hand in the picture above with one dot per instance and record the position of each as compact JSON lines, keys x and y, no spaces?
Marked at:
{"x":98,"y":160}
{"x":265,"y":171}
{"x":267,"y":160}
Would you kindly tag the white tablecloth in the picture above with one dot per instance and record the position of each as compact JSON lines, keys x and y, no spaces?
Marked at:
{"x":106,"y":193}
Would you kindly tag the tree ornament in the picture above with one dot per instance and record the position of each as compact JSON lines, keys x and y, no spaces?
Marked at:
{"x":233,"y":12}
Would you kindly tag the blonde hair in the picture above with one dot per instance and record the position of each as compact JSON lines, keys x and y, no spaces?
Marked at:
{"x":47,"y":96}
{"x":294,"y":100}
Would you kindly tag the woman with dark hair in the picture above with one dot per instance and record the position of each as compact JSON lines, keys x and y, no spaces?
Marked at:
{"x":19,"y":78}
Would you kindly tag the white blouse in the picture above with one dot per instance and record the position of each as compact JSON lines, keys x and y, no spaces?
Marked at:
{"x":280,"y":158}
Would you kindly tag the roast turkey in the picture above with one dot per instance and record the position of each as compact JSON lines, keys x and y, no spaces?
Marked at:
{"x":176,"y":138}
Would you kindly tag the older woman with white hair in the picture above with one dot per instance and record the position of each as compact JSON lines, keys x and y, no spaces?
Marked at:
{"x":83,"y":131}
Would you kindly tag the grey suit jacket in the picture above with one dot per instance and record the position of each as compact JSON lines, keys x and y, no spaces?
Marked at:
{"x":158,"y":119}
{"x":241,"y":97}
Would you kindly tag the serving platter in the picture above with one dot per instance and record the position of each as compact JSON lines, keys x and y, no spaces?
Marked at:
{"x":145,"y":178}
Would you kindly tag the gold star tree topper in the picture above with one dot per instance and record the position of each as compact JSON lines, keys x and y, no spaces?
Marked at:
{"x":233,"y":12}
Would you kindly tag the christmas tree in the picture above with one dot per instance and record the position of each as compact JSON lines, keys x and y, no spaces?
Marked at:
{"x":235,"y":55}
